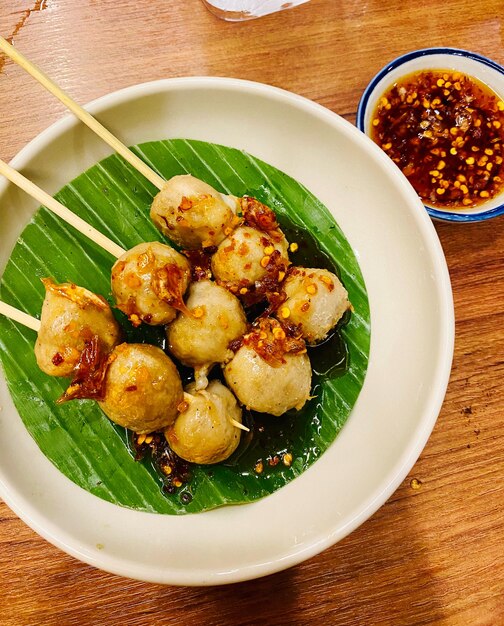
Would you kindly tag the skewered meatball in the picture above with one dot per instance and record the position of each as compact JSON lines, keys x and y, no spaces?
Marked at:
{"x":316,"y":299}
{"x":148,"y":283}
{"x":71,"y":317}
{"x":245,"y":257}
{"x":193,"y":214}
{"x":142,"y":388}
{"x":203,"y":432}
{"x":271,"y":372}
{"x":201,"y":337}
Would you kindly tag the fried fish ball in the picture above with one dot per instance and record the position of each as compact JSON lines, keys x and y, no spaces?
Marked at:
{"x":71,"y":317}
{"x":200,"y":338}
{"x":193,"y":214}
{"x":142,"y":388}
{"x":148,"y":283}
{"x":203,"y":432}
{"x":270,"y":372}
{"x":316,"y":299}
{"x":267,"y":389}
{"x":244,"y":257}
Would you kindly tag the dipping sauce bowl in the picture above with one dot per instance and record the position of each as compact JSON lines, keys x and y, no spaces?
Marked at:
{"x":438,"y":113}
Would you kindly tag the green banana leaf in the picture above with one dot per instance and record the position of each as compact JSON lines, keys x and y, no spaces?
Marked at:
{"x":77,"y":437}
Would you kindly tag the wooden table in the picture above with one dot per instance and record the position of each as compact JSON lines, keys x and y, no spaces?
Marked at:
{"x":434,"y":554}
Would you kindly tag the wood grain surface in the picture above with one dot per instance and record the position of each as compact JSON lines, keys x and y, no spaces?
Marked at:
{"x":431,"y":555}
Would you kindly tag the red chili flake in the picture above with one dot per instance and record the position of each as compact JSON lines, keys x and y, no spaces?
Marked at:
{"x":268,"y":288}
{"x":243,"y":249}
{"x":272,"y":341}
{"x":167,"y":284}
{"x":89,"y":374}
{"x":261,"y":217}
{"x":57,"y":359}
{"x":292,"y":330}
{"x":235,"y":344}
{"x":185,"y":204}
{"x":200,"y":261}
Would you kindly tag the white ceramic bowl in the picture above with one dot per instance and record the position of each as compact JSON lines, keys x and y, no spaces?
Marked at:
{"x":411,"y":342}
{"x":470,"y":63}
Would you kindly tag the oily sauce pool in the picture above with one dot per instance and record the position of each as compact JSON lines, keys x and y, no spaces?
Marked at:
{"x":445,"y":130}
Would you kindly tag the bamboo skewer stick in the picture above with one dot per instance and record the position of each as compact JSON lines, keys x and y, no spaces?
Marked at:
{"x":60,"y":210}
{"x":51,"y":203}
{"x":238,"y":425}
{"x":82,"y":114}
{"x":19,"y":316}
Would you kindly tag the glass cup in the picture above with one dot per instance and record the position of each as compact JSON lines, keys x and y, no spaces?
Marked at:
{"x":241,"y":10}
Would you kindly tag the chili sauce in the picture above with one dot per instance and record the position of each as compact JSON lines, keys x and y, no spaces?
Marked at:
{"x":445,"y":131}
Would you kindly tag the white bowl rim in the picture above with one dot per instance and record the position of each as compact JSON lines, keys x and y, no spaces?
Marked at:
{"x":432,"y":405}
{"x":444,"y":215}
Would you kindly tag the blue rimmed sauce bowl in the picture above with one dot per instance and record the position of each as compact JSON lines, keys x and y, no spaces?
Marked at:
{"x":460,"y":168}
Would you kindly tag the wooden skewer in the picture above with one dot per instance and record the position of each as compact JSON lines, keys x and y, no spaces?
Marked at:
{"x":59,"y":209}
{"x":19,"y":316}
{"x":188,"y":398}
{"x":238,"y":425}
{"x":82,"y":114}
